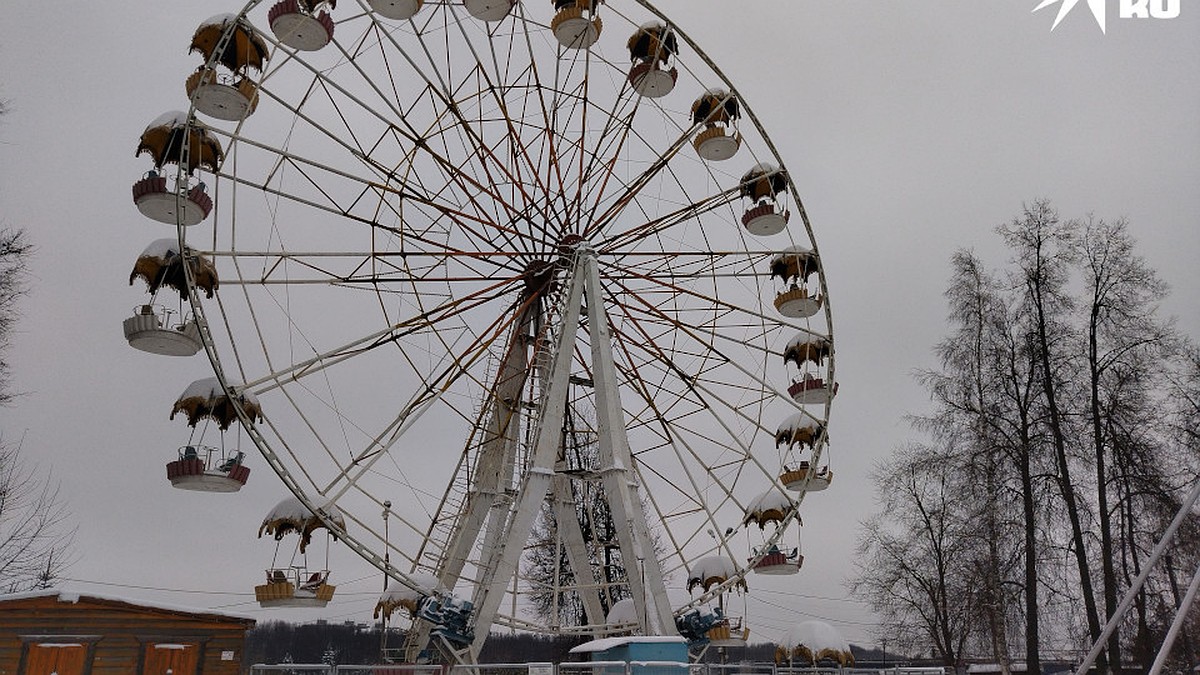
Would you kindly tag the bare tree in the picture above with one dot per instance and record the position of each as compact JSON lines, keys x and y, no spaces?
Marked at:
{"x":1066,"y":408}
{"x":15,"y":251}
{"x":35,"y":537}
{"x":1044,"y":249}
{"x":35,"y":533}
{"x":914,"y":553}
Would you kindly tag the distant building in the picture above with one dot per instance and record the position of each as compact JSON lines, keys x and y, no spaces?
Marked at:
{"x":47,"y":632}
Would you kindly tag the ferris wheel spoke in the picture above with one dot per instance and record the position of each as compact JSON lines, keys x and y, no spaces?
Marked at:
{"x":693,"y":379}
{"x":656,"y":226}
{"x":457,"y":366}
{"x":475,"y":189}
{"x":424,"y":322}
{"x":468,"y":223}
{"x":633,"y":187}
{"x":490,"y":87}
{"x":651,"y":283}
{"x":443,"y":90}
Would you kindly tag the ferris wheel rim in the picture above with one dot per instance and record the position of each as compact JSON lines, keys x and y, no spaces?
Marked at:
{"x":298,"y":489}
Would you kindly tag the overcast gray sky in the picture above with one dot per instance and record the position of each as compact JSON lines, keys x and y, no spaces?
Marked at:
{"x":911,"y":128}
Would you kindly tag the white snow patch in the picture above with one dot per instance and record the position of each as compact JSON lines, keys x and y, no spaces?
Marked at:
{"x":218,"y":20}
{"x":815,"y":342}
{"x":610,"y":642}
{"x":74,"y":597}
{"x":711,"y":567}
{"x":796,"y":422}
{"x":161,"y":249}
{"x":623,"y":611}
{"x":169,"y":119}
{"x":796,"y":251}
{"x":772,"y":500}
{"x":294,"y":511}
{"x":59,"y":645}
{"x":816,"y":635}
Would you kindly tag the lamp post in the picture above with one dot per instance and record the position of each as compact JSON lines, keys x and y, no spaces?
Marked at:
{"x":387,"y":565}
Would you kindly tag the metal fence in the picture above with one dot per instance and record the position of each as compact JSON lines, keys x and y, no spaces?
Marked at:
{"x":579,"y":668}
{"x":383,"y":669}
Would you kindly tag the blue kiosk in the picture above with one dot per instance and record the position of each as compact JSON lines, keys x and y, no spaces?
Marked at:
{"x":649,"y":655}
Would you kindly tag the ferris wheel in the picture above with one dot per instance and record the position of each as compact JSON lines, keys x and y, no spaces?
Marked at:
{"x":521,"y":291}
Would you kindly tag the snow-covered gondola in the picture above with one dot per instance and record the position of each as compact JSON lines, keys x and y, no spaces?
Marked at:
{"x":717,"y":112}
{"x":208,"y":468}
{"x":428,"y":600}
{"x":797,"y":434}
{"x":809,"y":354}
{"x":770,"y":509}
{"x":296,"y":584}
{"x":171,"y":139}
{"x":224,"y":90}
{"x":761,"y":186}
{"x":807,"y":643}
{"x":154,"y":328}
{"x":713,"y":572}
{"x":651,"y":48}
{"x":793,"y":266}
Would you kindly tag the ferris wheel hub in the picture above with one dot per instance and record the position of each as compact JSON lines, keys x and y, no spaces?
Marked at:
{"x":539,"y":274}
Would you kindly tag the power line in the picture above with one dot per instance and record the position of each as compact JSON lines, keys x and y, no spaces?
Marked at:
{"x":812,"y":597}
{"x":815,"y":616}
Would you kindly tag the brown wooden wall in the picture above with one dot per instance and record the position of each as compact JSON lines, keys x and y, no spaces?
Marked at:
{"x":118,"y":634}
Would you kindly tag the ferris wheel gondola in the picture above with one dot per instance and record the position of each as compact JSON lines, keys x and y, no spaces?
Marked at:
{"x":152,"y":328}
{"x":204,"y":467}
{"x":297,"y":584}
{"x":771,"y":510}
{"x":652,"y":48}
{"x":174,"y":138}
{"x":221,"y":87}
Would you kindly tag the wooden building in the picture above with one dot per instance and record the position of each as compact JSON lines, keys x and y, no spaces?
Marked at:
{"x":46,"y":632}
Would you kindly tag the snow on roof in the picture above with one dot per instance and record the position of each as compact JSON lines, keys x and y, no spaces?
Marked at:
{"x":802,"y":338}
{"x":171,"y":118}
{"x":800,"y":420}
{"x":73,"y":597}
{"x":816,"y":635}
{"x":611,"y":642}
{"x":623,"y":611}
{"x":790,"y":252}
{"x":218,"y":20}
{"x":209,"y":388}
{"x":293,"y":510}
{"x":206,"y":388}
{"x":712,"y":566}
{"x":161,"y":248}
{"x":771,"y":500}
{"x":761,"y":169}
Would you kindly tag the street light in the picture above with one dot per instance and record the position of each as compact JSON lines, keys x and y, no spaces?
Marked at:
{"x":387,"y":565}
